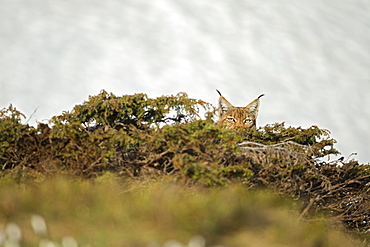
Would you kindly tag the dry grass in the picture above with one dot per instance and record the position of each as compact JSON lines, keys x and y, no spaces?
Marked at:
{"x":109,"y":211}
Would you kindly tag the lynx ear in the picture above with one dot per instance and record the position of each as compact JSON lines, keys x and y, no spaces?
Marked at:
{"x":254,"y":106}
{"x":223,"y":104}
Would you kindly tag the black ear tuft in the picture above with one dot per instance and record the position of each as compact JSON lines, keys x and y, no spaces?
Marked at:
{"x":260,"y":96}
{"x":218,"y":92}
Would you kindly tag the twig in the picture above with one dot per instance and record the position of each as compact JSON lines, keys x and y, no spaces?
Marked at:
{"x":33,"y":113}
{"x":312,"y":200}
{"x":273,"y":145}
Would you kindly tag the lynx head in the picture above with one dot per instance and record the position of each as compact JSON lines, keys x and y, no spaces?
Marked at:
{"x":235,"y":117}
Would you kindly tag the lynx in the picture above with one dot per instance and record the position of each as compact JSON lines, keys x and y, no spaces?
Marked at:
{"x":235,"y":117}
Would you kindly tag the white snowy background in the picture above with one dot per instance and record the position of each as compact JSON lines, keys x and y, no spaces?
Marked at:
{"x":311,"y":59}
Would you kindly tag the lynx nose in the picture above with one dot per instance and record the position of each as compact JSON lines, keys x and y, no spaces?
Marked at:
{"x":239,"y":125}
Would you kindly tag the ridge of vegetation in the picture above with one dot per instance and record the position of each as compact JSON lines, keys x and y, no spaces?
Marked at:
{"x":139,"y":138}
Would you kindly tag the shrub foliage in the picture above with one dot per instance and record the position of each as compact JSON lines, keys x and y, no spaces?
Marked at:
{"x":137,"y":136}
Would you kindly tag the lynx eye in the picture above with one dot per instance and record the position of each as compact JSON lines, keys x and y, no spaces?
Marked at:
{"x":231,"y":119}
{"x":248,"y":121}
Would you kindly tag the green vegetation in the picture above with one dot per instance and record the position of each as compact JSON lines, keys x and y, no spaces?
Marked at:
{"x":136,"y":171}
{"x":110,"y":212}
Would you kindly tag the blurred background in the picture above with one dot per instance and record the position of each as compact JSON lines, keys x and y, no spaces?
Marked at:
{"x":311,"y":59}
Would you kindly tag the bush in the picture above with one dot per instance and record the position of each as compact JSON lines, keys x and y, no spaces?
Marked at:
{"x":140,"y":137}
